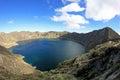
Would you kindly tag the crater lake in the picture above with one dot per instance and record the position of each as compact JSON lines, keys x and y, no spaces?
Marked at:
{"x":46,"y":54}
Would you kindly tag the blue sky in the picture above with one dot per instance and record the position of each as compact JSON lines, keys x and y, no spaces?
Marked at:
{"x":59,"y":15}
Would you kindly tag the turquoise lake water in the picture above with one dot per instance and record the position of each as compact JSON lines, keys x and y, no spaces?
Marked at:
{"x":46,"y":54}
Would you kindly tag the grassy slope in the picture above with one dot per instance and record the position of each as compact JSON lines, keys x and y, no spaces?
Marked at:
{"x":100,"y":63}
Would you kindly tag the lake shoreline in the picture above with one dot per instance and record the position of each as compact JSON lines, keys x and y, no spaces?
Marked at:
{"x":52,"y":49}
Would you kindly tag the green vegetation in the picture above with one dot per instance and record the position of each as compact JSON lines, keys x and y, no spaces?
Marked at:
{"x":100,"y":63}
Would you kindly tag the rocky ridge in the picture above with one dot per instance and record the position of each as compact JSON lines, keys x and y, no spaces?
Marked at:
{"x":10,"y":39}
{"x":99,"y":63}
{"x":91,"y":39}
{"x":88,"y":40}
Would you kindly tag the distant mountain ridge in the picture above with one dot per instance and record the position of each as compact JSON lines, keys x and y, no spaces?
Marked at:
{"x":11,"y":39}
{"x":100,"y":63}
{"x":89,"y":40}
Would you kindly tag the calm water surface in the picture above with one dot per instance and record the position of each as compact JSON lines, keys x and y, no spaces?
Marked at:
{"x":46,"y":54}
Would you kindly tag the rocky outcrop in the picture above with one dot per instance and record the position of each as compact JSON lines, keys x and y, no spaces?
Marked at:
{"x":91,"y":39}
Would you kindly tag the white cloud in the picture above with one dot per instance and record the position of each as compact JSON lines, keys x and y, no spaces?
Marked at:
{"x":97,"y":10}
{"x":71,"y":20}
{"x":102,"y":10}
{"x":11,"y":22}
{"x":73,"y":1}
{"x":73,"y":7}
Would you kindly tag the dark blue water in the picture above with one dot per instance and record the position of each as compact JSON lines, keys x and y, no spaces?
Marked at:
{"x":46,"y":54}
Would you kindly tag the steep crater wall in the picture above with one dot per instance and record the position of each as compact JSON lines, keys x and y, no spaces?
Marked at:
{"x":88,"y":40}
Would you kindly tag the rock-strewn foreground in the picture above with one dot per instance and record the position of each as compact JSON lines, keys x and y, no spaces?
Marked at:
{"x":102,"y":62}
